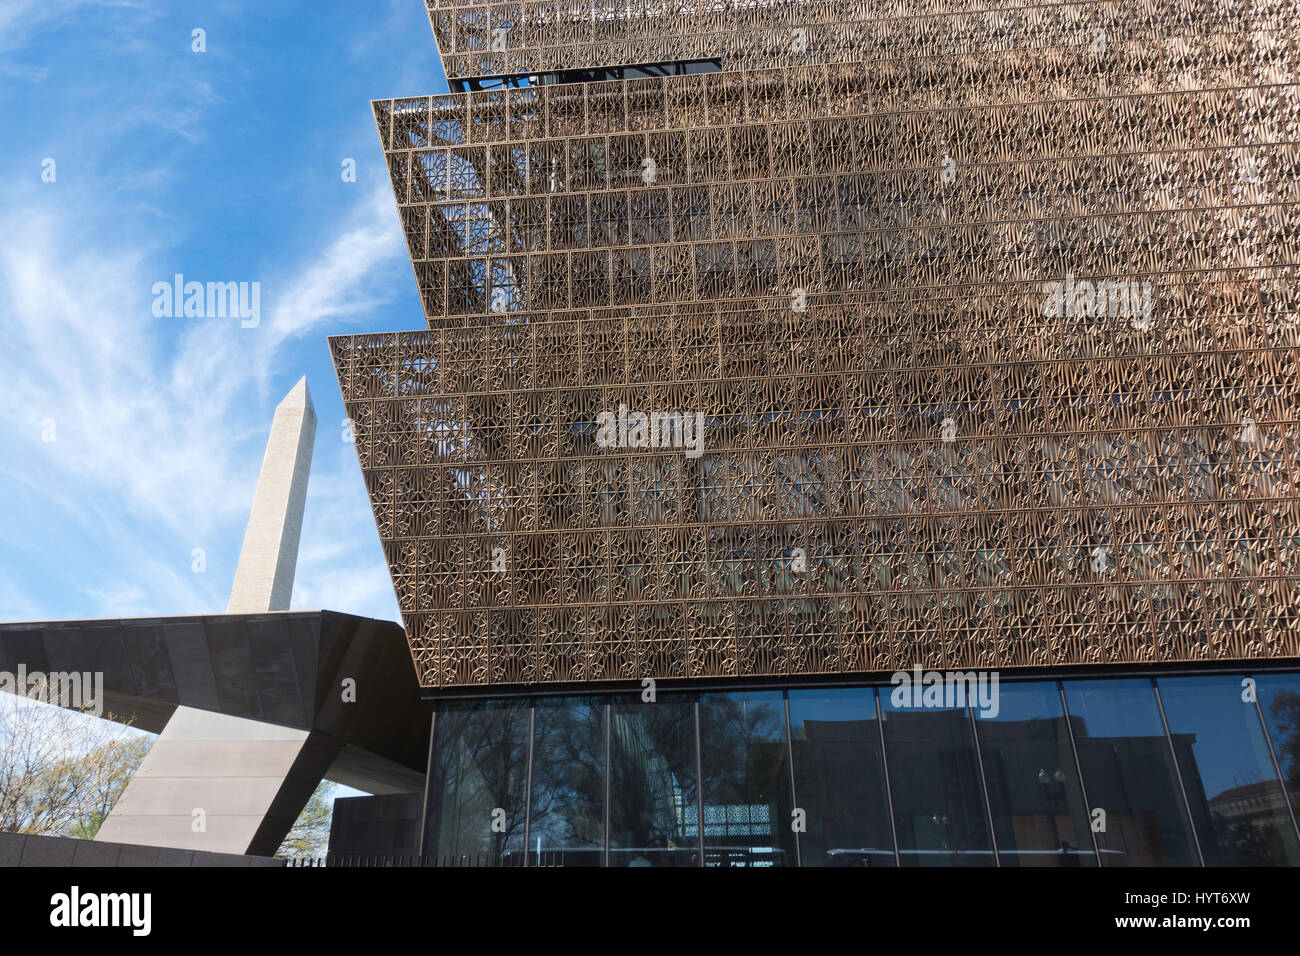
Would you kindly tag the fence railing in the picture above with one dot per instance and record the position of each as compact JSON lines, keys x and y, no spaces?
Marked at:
{"x":479,"y":860}
{"x":722,"y":856}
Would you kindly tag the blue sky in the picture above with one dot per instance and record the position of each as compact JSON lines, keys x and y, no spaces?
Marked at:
{"x":223,"y":166}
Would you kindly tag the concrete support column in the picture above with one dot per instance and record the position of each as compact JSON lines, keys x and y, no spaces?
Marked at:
{"x":222,"y":784}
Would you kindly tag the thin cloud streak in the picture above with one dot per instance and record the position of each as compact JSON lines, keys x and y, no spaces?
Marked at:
{"x":173,"y":441}
{"x":160,"y":424}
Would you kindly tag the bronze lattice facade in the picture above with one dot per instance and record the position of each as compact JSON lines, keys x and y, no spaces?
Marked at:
{"x":989,"y":323}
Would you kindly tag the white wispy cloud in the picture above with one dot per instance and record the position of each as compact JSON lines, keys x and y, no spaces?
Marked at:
{"x":20,"y":20}
{"x":159,"y":423}
{"x":166,"y":439}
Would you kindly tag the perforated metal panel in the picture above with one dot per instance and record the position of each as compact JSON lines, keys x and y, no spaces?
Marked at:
{"x":994,"y":355}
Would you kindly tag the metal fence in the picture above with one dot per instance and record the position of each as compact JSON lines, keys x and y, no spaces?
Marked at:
{"x":425,"y":860}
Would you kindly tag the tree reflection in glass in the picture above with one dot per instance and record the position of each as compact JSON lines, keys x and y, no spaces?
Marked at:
{"x":654,"y":810}
{"x":566,"y":818}
{"x":476,"y":780}
{"x":747,"y":806}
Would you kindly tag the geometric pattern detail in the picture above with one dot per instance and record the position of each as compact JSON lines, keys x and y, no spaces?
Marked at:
{"x":996,"y":360}
{"x":520,"y":200}
{"x":479,"y":39}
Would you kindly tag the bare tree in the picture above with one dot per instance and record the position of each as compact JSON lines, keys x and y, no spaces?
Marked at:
{"x":61,"y":772}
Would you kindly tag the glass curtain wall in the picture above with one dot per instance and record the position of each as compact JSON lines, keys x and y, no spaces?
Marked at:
{"x":839,"y":775}
{"x":745,"y":780}
{"x":1173,"y":771}
{"x":478,"y":774}
{"x":1238,"y":804}
{"x":1135,"y":801}
{"x":1278,"y":698}
{"x":653,"y":791}
{"x":1035,"y":796}
{"x":940,"y":809}
{"x":566,"y":794}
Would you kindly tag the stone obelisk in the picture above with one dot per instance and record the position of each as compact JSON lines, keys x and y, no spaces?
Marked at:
{"x":264,"y":576}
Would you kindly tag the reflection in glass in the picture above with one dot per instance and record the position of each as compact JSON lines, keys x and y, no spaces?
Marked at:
{"x":1128,"y":774}
{"x":566,"y":815}
{"x":934,"y":777}
{"x":839,"y":778}
{"x":746,"y":781}
{"x":1237,"y":801}
{"x":653,"y":805}
{"x":1039,"y":817}
{"x":477,"y":778}
{"x":1279,"y":699}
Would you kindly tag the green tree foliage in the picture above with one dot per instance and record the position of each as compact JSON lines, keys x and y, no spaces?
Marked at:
{"x":310,"y":834}
{"x":61,"y":772}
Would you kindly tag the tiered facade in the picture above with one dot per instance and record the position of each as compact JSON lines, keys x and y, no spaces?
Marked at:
{"x":988,"y":316}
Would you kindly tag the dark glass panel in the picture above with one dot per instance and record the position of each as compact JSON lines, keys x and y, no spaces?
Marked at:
{"x":839,"y":778}
{"x":1279,"y":699}
{"x":1039,"y":816}
{"x":939,"y":811}
{"x":477,"y":777}
{"x":566,"y":815}
{"x":746,"y":781}
{"x":1128,"y":774}
{"x":1237,"y":801}
{"x":653,"y":801}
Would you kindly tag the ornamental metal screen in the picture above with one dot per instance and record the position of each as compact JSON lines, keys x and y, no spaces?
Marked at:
{"x":955,"y":340}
